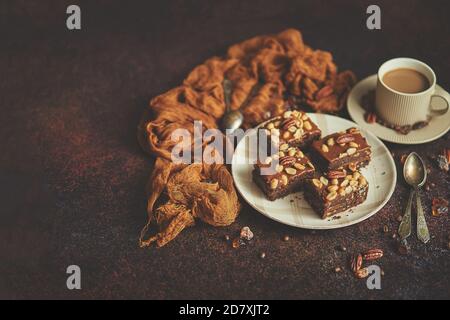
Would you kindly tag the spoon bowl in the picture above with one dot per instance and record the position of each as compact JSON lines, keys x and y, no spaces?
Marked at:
{"x":232,"y":120}
{"x":414,"y":171}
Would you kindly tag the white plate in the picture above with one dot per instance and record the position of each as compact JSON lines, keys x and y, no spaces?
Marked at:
{"x":293,"y":210}
{"x":437,"y":127}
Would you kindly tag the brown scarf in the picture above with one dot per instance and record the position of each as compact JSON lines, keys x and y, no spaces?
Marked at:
{"x":264,"y":70}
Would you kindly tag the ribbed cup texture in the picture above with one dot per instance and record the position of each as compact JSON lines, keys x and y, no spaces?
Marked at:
{"x":401,"y":109}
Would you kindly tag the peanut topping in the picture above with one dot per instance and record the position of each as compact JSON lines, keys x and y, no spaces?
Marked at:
{"x":274,"y":184}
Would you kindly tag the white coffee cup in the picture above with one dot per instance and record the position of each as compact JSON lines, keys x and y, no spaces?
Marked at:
{"x":399,"y":108}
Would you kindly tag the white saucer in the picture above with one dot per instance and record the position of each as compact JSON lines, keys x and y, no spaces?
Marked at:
{"x":437,"y":127}
{"x":293,"y":210}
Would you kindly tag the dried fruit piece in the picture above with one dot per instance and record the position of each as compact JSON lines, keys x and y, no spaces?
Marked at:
{"x":442,"y":162}
{"x":237,"y":242}
{"x":373,"y":254}
{"x":246,"y":234}
{"x":439,"y":206}
{"x":356,"y":262}
{"x":370,"y":117}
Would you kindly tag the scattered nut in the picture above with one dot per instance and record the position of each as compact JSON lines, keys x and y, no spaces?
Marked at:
{"x":356,"y":262}
{"x":290,"y":171}
{"x":373,"y":254}
{"x":353,"y":144}
{"x":317,"y":183}
{"x":274,"y":184}
{"x":227,"y":238}
{"x":299,"y":166}
{"x":262,"y":255}
{"x":284,"y":180}
{"x":286,"y":238}
{"x":351,"y":151}
{"x":307,"y":125}
{"x":333,"y":188}
{"x":338,"y":269}
{"x":362,"y":273}
{"x":330,"y":142}
{"x":287,"y":114}
{"x":325,"y":148}
{"x":246,"y":234}
{"x":331,"y":196}
{"x":323,"y":180}
{"x":352,"y":166}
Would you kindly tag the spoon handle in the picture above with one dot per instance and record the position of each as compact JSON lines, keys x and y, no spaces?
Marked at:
{"x":422,"y":229}
{"x":404,"y":230}
{"x":227,"y":91}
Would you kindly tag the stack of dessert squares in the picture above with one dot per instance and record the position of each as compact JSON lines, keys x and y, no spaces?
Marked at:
{"x":326,"y":169}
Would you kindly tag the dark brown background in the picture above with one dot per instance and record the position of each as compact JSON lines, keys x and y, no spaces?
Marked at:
{"x":72,"y":174}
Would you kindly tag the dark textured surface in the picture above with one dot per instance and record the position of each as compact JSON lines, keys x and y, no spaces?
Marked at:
{"x":73,"y":176}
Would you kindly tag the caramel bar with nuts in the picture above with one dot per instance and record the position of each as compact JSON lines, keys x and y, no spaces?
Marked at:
{"x":294,"y":128}
{"x":335,"y":192}
{"x":343,"y":150}
{"x":291,"y":170}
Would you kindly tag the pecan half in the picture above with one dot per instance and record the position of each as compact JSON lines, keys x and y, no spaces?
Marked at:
{"x":356,"y":262}
{"x":345,"y":138}
{"x":288,"y":123}
{"x":336,"y":174}
{"x":287,"y":161}
{"x":373,"y":254}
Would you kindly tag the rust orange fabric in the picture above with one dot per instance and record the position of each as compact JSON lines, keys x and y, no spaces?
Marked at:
{"x":264,"y":70}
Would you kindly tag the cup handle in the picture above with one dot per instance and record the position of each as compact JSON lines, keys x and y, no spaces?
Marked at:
{"x":441,"y":94}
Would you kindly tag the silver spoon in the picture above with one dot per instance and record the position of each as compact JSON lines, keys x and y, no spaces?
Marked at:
{"x":415,"y":175}
{"x":231,"y":120}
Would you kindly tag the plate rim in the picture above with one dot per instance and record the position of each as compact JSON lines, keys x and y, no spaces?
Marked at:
{"x":352,"y":110}
{"x":330,"y":227}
